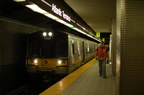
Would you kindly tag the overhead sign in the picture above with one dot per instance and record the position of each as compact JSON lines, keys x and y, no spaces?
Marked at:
{"x":103,"y":39}
{"x":58,"y":11}
{"x":61,"y":9}
{"x":98,"y":34}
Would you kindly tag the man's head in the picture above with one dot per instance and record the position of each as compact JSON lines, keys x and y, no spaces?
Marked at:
{"x":101,"y":43}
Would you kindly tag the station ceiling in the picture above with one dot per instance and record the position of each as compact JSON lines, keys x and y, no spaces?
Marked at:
{"x":98,"y":14}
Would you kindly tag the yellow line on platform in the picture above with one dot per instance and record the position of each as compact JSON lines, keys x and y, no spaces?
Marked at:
{"x":61,"y":85}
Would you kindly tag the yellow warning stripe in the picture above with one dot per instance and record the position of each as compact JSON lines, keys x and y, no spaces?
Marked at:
{"x":60,"y":86}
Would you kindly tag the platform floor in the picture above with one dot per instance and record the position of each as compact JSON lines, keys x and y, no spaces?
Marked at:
{"x":87,"y":83}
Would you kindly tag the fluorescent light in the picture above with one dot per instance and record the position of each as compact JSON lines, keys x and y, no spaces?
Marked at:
{"x":61,"y":21}
{"x":79,"y":30}
{"x":69,"y":25}
{"x":51,"y":16}
{"x":36,"y":9}
{"x":84,"y":33}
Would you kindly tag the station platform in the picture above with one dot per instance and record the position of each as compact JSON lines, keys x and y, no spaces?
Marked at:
{"x":85,"y":81}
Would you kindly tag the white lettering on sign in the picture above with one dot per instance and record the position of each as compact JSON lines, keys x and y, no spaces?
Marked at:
{"x":65,"y":16}
{"x":56,"y":10}
{"x":60,"y":13}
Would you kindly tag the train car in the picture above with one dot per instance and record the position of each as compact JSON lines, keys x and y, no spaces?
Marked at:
{"x":57,"y":52}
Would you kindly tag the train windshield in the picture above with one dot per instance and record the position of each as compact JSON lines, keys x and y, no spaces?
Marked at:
{"x":47,"y":49}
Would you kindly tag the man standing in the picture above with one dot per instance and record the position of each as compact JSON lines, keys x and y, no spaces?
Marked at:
{"x":101,"y":56}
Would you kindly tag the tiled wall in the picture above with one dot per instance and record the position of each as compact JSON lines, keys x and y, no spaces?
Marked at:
{"x":130,"y":47}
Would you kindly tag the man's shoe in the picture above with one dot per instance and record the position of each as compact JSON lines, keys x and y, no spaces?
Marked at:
{"x":100,"y":75}
{"x":104,"y":76}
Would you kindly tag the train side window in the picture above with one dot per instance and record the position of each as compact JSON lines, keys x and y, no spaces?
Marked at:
{"x":73,"y":49}
{"x":78,"y":48}
{"x":88,"y":49}
{"x":62,"y":48}
{"x":78,"y":51}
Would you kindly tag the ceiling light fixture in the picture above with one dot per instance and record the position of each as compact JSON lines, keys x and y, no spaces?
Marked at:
{"x":36,"y":8}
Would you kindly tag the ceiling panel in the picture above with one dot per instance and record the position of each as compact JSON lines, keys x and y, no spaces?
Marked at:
{"x":97,"y":14}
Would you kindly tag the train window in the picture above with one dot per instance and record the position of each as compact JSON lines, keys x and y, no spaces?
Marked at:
{"x":78,"y":48}
{"x":73,"y":50}
{"x":62,"y":48}
{"x":44,"y":48}
{"x":88,"y":49}
{"x":78,"y":51}
{"x":33,"y":49}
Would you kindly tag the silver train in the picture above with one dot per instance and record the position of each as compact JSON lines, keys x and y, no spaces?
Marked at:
{"x":57,"y":52}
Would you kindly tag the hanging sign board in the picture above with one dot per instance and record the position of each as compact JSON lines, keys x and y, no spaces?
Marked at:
{"x":98,"y":34}
{"x":61,"y":9}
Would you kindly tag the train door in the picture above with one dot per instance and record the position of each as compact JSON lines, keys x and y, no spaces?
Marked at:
{"x":83,"y":52}
{"x":70,"y":53}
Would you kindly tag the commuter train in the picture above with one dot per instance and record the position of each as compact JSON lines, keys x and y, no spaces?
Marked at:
{"x":57,"y":52}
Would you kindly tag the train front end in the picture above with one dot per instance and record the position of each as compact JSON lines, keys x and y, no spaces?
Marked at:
{"x":47,"y":55}
{"x":44,"y":65}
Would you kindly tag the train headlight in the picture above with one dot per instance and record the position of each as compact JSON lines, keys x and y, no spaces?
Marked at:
{"x":61,"y":63}
{"x":36,"y":62}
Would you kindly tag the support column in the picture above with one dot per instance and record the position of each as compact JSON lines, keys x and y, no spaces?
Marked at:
{"x":130,"y":47}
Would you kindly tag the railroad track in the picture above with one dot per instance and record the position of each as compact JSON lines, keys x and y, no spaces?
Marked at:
{"x":35,"y":88}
